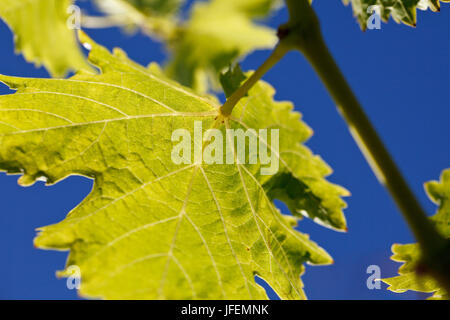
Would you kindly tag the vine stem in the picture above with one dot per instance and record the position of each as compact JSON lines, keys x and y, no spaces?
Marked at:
{"x":303,"y":33}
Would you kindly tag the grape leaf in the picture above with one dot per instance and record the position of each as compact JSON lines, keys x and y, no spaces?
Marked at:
{"x":217,"y":33}
{"x":42,"y":34}
{"x":151,"y":228}
{"x":400,"y":10}
{"x":409,"y":254}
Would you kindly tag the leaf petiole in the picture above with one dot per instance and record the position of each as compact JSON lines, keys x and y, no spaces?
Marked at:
{"x":277,"y":54}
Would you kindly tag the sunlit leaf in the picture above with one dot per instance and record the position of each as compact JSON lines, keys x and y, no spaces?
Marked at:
{"x":400,"y":10}
{"x":42,"y":33}
{"x":151,"y":228}
{"x":217,"y":33}
{"x":409,"y":254}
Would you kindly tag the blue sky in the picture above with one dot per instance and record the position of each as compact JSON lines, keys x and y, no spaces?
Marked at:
{"x":400,"y":74}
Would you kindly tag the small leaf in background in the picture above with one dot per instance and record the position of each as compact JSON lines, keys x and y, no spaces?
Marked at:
{"x":157,"y":7}
{"x":232,"y":79}
{"x":152,"y":228}
{"x":400,"y":10}
{"x":217,"y":33}
{"x":42,"y":35}
{"x":409,"y":254}
{"x":156,"y":18}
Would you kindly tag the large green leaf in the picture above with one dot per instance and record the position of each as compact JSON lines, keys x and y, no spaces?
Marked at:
{"x":151,"y":228}
{"x":409,"y":254}
{"x":42,"y":34}
{"x":218,"y":32}
{"x":400,"y":10}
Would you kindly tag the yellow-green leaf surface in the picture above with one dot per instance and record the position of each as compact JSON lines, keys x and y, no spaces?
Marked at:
{"x":42,"y":35}
{"x":218,"y":32}
{"x":409,"y":254}
{"x":151,"y":228}
{"x":401,"y":10}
